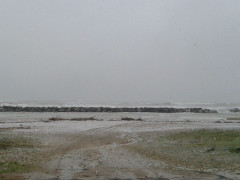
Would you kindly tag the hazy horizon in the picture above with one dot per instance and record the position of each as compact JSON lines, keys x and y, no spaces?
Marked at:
{"x":120,"y":51}
{"x":116,"y":103}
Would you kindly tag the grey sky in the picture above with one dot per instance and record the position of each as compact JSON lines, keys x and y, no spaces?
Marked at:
{"x":120,"y":51}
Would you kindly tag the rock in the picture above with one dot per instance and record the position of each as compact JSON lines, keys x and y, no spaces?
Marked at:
{"x":104,"y":109}
{"x":234,"y":110}
{"x":210,"y":149}
{"x":209,"y":111}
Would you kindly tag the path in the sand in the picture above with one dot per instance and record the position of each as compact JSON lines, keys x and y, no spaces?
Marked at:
{"x":108,"y":161}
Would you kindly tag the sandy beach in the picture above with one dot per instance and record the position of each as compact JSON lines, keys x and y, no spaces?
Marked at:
{"x":106,"y":147}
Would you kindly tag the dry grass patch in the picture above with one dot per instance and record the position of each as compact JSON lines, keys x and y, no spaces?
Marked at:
{"x":131,"y":119}
{"x":233,"y":118}
{"x":73,"y":119}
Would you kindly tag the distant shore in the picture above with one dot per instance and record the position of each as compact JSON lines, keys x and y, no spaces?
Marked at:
{"x":104,"y":109}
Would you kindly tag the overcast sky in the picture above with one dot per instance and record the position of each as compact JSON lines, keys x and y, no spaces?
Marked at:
{"x":120,"y":51}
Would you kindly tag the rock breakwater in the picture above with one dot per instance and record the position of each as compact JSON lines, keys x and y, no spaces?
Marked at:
{"x":104,"y":109}
{"x":235,"y":110}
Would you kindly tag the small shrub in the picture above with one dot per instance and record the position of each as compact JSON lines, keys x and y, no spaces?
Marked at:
{"x":130,"y":119}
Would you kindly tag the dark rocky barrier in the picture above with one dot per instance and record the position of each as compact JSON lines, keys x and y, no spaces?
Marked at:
{"x":234,"y":110}
{"x":104,"y":109}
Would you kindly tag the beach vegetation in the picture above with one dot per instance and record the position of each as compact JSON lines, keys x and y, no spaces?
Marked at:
{"x":233,"y":118}
{"x":16,"y":154}
{"x":198,"y":149}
